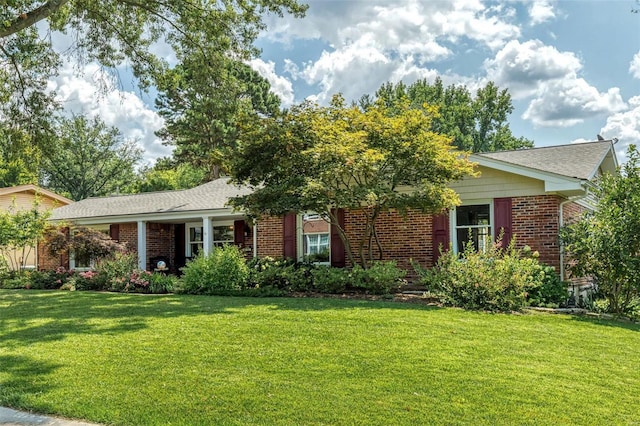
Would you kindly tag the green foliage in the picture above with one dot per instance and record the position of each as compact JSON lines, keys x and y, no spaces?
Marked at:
{"x":119,"y":272}
{"x":494,"y":280}
{"x":379,"y":278}
{"x":162,"y":283}
{"x":311,"y":158}
{"x":200,"y":106}
{"x":165,"y":176}
{"x":19,"y":158}
{"x":85,"y":243}
{"x":476,"y":123}
{"x":280,"y":274}
{"x":89,"y":159}
{"x":223,"y":269}
{"x":604,"y":243}
{"x":113,"y":32}
{"x":330,"y":280}
{"x":19,"y":232}
{"x":546,"y":289}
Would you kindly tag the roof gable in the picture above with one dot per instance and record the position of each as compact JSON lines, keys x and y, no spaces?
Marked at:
{"x":582,"y":161}
{"x":36,"y":191}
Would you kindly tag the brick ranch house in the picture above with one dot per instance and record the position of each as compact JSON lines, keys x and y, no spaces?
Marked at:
{"x":528,"y":194}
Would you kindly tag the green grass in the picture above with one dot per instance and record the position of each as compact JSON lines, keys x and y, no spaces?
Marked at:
{"x":189,"y":360}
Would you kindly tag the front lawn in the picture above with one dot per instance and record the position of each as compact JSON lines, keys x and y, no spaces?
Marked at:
{"x":192,"y":360}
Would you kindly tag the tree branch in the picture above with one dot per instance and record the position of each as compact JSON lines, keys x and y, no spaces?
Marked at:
{"x":28,"y":19}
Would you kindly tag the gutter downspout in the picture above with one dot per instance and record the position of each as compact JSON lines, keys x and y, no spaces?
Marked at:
{"x":561,"y":223}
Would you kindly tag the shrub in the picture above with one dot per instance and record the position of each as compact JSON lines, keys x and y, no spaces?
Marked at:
{"x":495,"y":280}
{"x":161,"y":283}
{"x":281,"y":274}
{"x":546,"y":289}
{"x":330,"y":280}
{"x":118,"y":272}
{"x":224,"y":269}
{"x":379,"y":278}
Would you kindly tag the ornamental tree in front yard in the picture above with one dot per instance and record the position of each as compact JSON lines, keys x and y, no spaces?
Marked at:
{"x":604,"y":244}
{"x":20,"y":231}
{"x":318,"y":159}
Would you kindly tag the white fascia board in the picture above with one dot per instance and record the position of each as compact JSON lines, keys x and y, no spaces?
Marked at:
{"x":155,"y":217}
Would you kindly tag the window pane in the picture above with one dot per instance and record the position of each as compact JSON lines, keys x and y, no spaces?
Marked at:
{"x":472,"y":215}
{"x":195,"y":233}
{"x":480,"y":237}
{"x":223,"y":233}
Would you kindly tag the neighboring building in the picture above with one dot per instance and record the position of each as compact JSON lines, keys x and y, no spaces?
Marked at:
{"x":23,"y":197}
{"x":525,"y":193}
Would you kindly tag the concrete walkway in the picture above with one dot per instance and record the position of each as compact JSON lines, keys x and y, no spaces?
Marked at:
{"x":10,"y":417}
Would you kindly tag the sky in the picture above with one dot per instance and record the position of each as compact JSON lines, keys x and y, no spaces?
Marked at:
{"x":572,"y":67}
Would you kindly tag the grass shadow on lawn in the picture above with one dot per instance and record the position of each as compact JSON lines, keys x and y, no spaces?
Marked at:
{"x":616,"y":323}
{"x":22,"y":377}
{"x":33,"y":316}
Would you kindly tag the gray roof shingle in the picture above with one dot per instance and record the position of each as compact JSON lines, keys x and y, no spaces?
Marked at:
{"x":210,"y":196}
{"x":578,"y":160}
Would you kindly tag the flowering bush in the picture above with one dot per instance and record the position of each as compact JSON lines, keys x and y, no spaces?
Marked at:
{"x":495,"y":280}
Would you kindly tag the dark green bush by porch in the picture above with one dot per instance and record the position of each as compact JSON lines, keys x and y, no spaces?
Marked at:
{"x":221,"y":271}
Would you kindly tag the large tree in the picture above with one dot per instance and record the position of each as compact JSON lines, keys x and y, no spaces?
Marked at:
{"x":604,"y":244}
{"x":200,"y":107}
{"x":319,"y":159}
{"x":19,"y":159}
{"x":89,"y":159}
{"x":115,"y":33}
{"x":476,"y":123}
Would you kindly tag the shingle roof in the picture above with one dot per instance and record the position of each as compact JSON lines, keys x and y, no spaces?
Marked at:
{"x":210,"y":196}
{"x":578,"y":160}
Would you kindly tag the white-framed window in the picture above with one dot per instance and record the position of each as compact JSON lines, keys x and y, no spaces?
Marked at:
{"x":222,"y":234}
{"x":472,"y":222}
{"x":315,"y":238}
{"x":194,"y":240}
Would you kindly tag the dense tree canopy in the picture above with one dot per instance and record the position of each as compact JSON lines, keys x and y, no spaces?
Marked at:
{"x":604,"y":244}
{"x":316,"y":159}
{"x":115,"y":33}
{"x":89,"y":159}
{"x":200,"y":107}
{"x":476,"y":123}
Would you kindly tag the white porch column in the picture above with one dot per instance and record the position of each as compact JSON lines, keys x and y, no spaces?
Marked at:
{"x":207,"y":237}
{"x":142,"y":245}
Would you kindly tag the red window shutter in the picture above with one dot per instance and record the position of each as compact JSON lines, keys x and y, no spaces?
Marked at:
{"x":337,"y":246}
{"x":503,"y":221}
{"x":114,"y":231}
{"x":440,"y":234}
{"x":238,"y":232}
{"x":289,"y":236}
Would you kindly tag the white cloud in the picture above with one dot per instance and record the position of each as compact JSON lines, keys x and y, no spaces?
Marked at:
{"x":567,"y":102}
{"x":524,"y":67}
{"x":625,"y":126}
{"x":541,"y":11}
{"x":279,"y":85}
{"x":634,"y":67}
{"x":376,"y":41}
{"x":81,"y":94}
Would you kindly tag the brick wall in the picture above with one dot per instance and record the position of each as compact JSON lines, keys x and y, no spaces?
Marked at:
{"x":403,"y":239}
{"x":160,"y":242}
{"x":536,"y":223}
{"x":129,"y":236}
{"x":270,"y":237}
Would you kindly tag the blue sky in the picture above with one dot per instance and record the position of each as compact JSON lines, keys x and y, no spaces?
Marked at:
{"x":572,"y":67}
